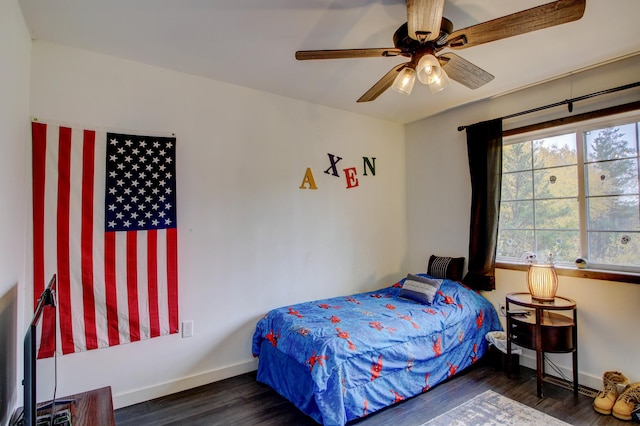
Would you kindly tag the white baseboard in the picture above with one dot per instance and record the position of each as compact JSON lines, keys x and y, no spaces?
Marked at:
{"x":156,"y":391}
{"x":140,"y":395}
{"x":584,"y":379}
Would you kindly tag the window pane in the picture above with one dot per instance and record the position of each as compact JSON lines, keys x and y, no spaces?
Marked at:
{"x":614,"y":213}
{"x":613,"y":177}
{"x":611,"y":143}
{"x":517,"y":186}
{"x":555,"y":151}
{"x":614,"y":248}
{"x":516,"y":157}
{"x":516,"y":215}
{"x":512,"y":243}
{"x":546,"y":208}
{"x":558,"y":214}
{"x":556,"y":182}
{"x":564,"y":245}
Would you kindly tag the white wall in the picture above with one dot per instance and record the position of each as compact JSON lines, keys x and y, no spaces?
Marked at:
{"x":15,"y":48}
{"x":249,"y":239}
{"x":439,"y":194}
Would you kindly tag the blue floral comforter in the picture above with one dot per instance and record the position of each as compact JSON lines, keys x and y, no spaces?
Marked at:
{"x":342,"y":358}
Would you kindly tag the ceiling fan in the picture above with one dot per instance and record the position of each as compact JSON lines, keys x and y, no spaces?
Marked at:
{"x":427,"y":32}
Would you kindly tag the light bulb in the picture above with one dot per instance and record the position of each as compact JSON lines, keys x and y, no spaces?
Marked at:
{"x":429,"y":69}
{"x":404,"y":81}
{"x":440,"y":82}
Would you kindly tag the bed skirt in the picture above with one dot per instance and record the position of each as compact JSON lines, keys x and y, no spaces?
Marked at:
{"x":293,"y":381}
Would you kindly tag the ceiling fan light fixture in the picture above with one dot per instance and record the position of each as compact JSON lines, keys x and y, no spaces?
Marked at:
{"x":429,"y":69}
{"x":440,"y":83}
{"x":404,"y":81}
{"x":426,"y":32}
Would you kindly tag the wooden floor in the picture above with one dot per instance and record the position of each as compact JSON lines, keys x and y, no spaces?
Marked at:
{"x":243,"y":401}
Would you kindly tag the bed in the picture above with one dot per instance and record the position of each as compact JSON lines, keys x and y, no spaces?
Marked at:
{"x":343,"y":358}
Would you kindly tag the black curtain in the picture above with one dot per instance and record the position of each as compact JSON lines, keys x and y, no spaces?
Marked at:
{"x":484,"y":147}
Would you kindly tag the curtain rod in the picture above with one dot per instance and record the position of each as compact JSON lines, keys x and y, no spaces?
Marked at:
{"x":566,"y":102}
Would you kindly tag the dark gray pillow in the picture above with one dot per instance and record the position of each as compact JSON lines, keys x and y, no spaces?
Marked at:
{"x":445,"y":267}
{"x":420,"y":289}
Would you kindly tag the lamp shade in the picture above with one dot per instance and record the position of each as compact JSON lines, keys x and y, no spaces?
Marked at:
{"x":542,"y":281}
{"x":429,"y":69}
{"x":404,"y":81}
{"x":440,"y":82}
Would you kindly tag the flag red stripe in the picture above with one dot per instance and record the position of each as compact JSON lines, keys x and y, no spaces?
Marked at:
{"x":62,"y":232}
{"x":39,"y":146}
{"x":48,"y":337}
{"x":172,"y":278}
{"x":111,"y":298}
{"x":132,"y":286}
{"x":152,"y":279}
{"x":86,"y":236}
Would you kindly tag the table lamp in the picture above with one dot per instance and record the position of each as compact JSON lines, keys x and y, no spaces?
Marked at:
{"x":542,"y":281}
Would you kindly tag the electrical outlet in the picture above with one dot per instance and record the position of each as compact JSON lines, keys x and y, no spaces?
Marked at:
{"x":503,"y":309}
{"x":187,"y":329}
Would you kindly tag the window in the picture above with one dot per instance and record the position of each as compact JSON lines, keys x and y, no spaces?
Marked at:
{"x":573,"y":192}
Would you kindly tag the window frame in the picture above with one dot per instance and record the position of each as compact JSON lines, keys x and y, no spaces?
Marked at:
{"x":580,"y":128}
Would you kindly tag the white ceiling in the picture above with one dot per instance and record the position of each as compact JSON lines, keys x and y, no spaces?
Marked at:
{"x":252,"y":43}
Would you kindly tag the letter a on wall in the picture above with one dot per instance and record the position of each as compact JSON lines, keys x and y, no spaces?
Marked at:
{"x":308,"y":180}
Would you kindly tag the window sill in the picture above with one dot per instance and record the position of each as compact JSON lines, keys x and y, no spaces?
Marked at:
{"x":594,"y":274}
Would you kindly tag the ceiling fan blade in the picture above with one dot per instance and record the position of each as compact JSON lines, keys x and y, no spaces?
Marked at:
{"x":383,"y":84}
{"x":303,"y":55}
{"x":463,"y":71}
{"x":536,"y":18}
{"x":424,"y":18}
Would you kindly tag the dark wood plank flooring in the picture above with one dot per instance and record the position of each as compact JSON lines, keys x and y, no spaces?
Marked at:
{"x":243,"y":401}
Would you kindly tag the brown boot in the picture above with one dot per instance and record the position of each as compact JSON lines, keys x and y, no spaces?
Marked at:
{"x":627,"y":401}
{"x":605,"y":400}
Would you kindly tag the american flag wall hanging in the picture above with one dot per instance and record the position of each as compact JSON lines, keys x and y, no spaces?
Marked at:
{"x":104,"y":220}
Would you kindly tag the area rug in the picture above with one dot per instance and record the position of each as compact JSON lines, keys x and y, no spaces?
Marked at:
{"x":491,"y":408}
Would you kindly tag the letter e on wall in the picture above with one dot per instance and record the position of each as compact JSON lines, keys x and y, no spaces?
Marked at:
{"x":350,"y":175}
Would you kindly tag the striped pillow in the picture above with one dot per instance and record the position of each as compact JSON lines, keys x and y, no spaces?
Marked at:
{"x":445,"y":267}
{"x":420,"y":289}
